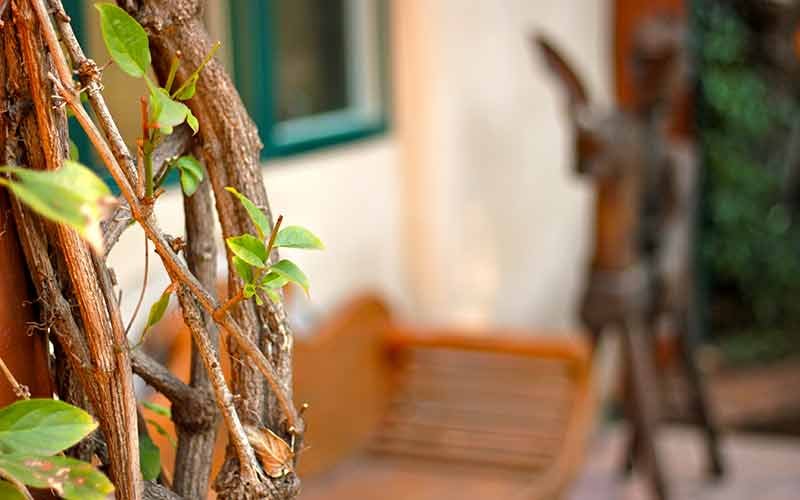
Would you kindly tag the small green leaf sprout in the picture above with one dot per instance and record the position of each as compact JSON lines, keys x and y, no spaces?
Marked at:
{"x":157,"y":311}
{"x":127,"y":43}
{"x":250,"y":254}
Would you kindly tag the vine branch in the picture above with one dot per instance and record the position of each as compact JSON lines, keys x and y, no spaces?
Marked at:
{"x":265,"y":324}
{"x":175,"y":267}
{"x":160,"y":378}
{"x":143,"y":215}
{"x":171,"y":147}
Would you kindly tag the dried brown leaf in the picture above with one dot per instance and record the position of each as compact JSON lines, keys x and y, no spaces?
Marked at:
{"x":274,"y":453}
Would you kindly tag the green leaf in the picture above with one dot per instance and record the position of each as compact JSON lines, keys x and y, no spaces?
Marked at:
{"x":263,"y":227}
{"x":249,"y":290}
{"x":189,"y":86}
{"x":271,"y":283}
{"x":243,"y":269}
{"x":43,"y":426}
{"x":165,"y":112}
{"x":72,"y":195}
{"x":273,"y":295}
{"x":157,"y":408}
{"x":187,"y":90}
{"x":157,"y":310}
{"x":273,"y":280}
{"x":161,"y":430}
{"x":191,"y":173}
{"x":291,"y":272}
{"x":10,"y":492}
{"x":298,"y":237}
{"x":248,"y":248}
{"x":70,"y":478}
{"x":149,"y":458}
{"x":74,"y":153}
{"x":191,"y":120}
{"x":125,"y":39}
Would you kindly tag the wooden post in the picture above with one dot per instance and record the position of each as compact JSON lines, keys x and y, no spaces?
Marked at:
{"x":23,"y":344}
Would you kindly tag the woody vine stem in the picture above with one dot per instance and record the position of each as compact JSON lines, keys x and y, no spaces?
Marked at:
{"x":139,"y":198}
{"x":141,"y":211}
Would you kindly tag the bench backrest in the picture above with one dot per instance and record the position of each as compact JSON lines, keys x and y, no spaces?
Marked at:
{"x":343,"y":374}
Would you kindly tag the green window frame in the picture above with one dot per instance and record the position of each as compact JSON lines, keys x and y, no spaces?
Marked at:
{"x":254,"y":62}
{"x":255,"y":66}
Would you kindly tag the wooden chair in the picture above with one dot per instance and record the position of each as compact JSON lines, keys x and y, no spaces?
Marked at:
{"x":419,"y":414}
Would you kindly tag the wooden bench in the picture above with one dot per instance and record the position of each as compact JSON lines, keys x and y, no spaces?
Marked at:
{"x":402,"y":413}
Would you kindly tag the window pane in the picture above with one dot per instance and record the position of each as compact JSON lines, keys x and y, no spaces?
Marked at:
{"x":311,"y":57}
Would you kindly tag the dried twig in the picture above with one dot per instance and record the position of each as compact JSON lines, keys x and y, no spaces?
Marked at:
{"x":20,"y":390}
{"x":145,"y":273}
{"x":194,"y":320}
{"x":196,"y":439}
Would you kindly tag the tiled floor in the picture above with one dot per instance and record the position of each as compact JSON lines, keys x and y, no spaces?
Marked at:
{"x":760,"y":467}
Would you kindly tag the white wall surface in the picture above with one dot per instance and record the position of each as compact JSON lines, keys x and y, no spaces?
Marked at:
{"x":346,"y":195}
{"x":506,"y":219}
{"x":466,"y":212}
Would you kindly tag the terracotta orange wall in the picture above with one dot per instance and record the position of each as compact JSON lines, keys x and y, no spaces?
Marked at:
{"x":25,"y":354}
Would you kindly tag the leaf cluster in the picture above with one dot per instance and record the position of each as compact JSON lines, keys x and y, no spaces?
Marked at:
{"x":128,"y":45}
{"x":32,"y":433}
{"x":251,"y":254}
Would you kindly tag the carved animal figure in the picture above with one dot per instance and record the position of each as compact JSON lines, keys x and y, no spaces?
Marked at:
{"x":643,"y":176}
{"x":609,"y":148}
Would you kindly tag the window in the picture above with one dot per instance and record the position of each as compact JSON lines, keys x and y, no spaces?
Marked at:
{"x":310,"y":71}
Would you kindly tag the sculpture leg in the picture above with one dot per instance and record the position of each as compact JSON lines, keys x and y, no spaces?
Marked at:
{"x":633,"y":447}
{"x":700,"y":406}
{"x":644,"y":403}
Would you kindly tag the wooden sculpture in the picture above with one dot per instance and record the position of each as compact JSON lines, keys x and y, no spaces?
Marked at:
{"x":640,"y":272}
{"x":670,"y":201}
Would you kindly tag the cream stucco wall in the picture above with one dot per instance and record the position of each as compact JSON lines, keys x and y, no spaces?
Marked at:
{"x":465,"y":211}
{"x":347,"y":195}
{"x":504,"y":224}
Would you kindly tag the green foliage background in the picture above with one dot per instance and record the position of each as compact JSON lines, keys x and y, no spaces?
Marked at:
{"x":750,"y":243}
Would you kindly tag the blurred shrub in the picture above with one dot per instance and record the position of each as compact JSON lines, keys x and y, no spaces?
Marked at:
{"x":750,"y":246}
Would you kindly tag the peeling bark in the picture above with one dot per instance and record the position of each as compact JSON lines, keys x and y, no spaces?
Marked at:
{"x":98,"y":348}
{"x":231,"y":150}
{"x":75,"y":287}
{"x":197,"y":432}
